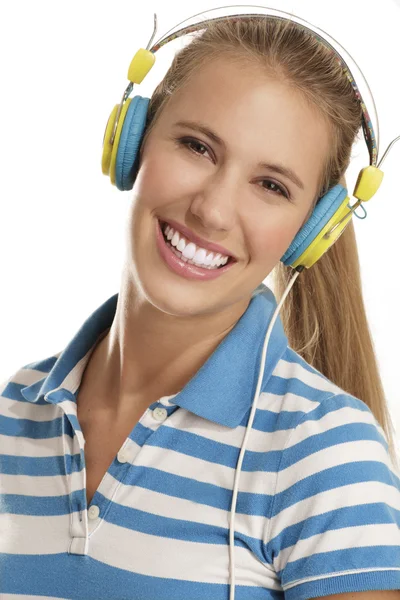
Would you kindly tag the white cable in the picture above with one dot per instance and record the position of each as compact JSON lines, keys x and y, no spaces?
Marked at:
{"x":249,"y":425}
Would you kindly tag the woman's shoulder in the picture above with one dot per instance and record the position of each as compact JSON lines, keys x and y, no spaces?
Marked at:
{"x":303,"y":389}
{"x":318,"y":417}
{"x":337,"y":492}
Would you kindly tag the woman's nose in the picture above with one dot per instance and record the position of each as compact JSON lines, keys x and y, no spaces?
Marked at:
{"x":217,"y":202}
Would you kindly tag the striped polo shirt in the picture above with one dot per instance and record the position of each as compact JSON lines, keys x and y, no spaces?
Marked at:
{"x":318,"y":507}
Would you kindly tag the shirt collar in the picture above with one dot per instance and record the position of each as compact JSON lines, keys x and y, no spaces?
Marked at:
{"x":223,"y":388}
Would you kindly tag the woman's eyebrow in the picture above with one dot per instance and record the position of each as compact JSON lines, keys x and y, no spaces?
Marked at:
{"x":278,"y":168}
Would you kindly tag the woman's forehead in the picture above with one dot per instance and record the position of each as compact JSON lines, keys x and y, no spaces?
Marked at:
{"x":253,"y":110}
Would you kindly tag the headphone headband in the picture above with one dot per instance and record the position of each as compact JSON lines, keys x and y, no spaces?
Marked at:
{"x":368,"y":130}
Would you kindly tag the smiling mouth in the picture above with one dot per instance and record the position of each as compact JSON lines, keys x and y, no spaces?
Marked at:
{"x":167,"y":241}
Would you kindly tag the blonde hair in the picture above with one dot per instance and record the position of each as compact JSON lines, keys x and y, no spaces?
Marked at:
{"x":324,"y":315}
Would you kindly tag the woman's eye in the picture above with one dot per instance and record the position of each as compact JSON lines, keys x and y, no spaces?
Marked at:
{"x":192,"y":142}
{"x":278,"y":187}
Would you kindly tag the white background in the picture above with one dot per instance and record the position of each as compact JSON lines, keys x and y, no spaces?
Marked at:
{"x":64,"y":67}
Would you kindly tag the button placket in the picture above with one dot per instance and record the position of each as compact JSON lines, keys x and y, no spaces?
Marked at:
{"x":123,"y":456}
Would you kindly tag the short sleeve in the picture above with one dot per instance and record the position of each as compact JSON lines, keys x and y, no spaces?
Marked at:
{"x":334,"y":523}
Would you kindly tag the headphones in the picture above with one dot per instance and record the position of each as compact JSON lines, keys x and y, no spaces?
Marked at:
{"x":332,"y":213}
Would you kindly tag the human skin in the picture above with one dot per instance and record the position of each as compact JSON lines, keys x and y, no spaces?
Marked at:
{"x":166,"y":326}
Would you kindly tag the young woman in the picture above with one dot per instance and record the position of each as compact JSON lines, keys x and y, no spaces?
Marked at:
{"x":119,"y":454}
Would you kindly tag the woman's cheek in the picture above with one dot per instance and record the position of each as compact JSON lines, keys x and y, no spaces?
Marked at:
{"x":169,"y":177}
{"x":273,"y":241}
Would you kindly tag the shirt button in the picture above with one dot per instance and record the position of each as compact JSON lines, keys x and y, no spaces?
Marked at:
{"x":160,"y":414}
{"x":122,"y":456}
{"x":93,"y":512}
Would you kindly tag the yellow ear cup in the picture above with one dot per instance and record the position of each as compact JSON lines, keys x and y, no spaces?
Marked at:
{"x":109,"y":156}
{"x":368,"y":182}
{"x":320,"y":244}
{"x":140,"y":65}
{"x":107,"y":148}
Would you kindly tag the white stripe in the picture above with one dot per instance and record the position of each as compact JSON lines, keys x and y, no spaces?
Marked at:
{"x":29,"y":447}
{"x":173,"y":507}
{"x":26,"y":377}
{"x":347,"y":495}
{"x":73,"y":380}
{"x":345,"y":415}
{"x":27,"y":410}
{"x":4,"y":384}
{"x":130,"y":550}
{"x":34,"y":534}
{"x":290,"y":402}
{"x":191,"y":467}
{"x":332,"y":456}
{"x":179,"y":559}
{"x":259,"y":441}
{"x":314,"y":379}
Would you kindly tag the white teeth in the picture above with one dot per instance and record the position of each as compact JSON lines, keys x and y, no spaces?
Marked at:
{"x":181,"y":246}
{"x":175,"y":240}
{"x":189,"y":250}
{"x":200,"y":257}
{"x":192,"y":252}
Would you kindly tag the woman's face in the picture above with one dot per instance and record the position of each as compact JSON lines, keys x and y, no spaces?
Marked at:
{"x":221,"y":191}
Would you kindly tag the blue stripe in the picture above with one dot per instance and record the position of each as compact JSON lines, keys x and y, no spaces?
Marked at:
{"x":320,"y":563}
{"x":177,"y":529}
{"x":349,"y":432}
{"x":353,"y":582}
{"x":38,"y":466}
{"x":145,"y":477}
{"x":201,"y":493}
{"x":132,"y":519}
{"x":191,"y":444}
{"x":29,"y":429}
{"x":69,"y":574}
{"x":269,"y":421}
{"x":346,"y":516}
{"x":12,"y":391}
{"x":330,"y":479}
{"x":19,"y":504}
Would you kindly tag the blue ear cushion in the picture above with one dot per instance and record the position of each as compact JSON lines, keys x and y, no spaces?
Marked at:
{"x":129,"y":142}
{"x":322,"y":213}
